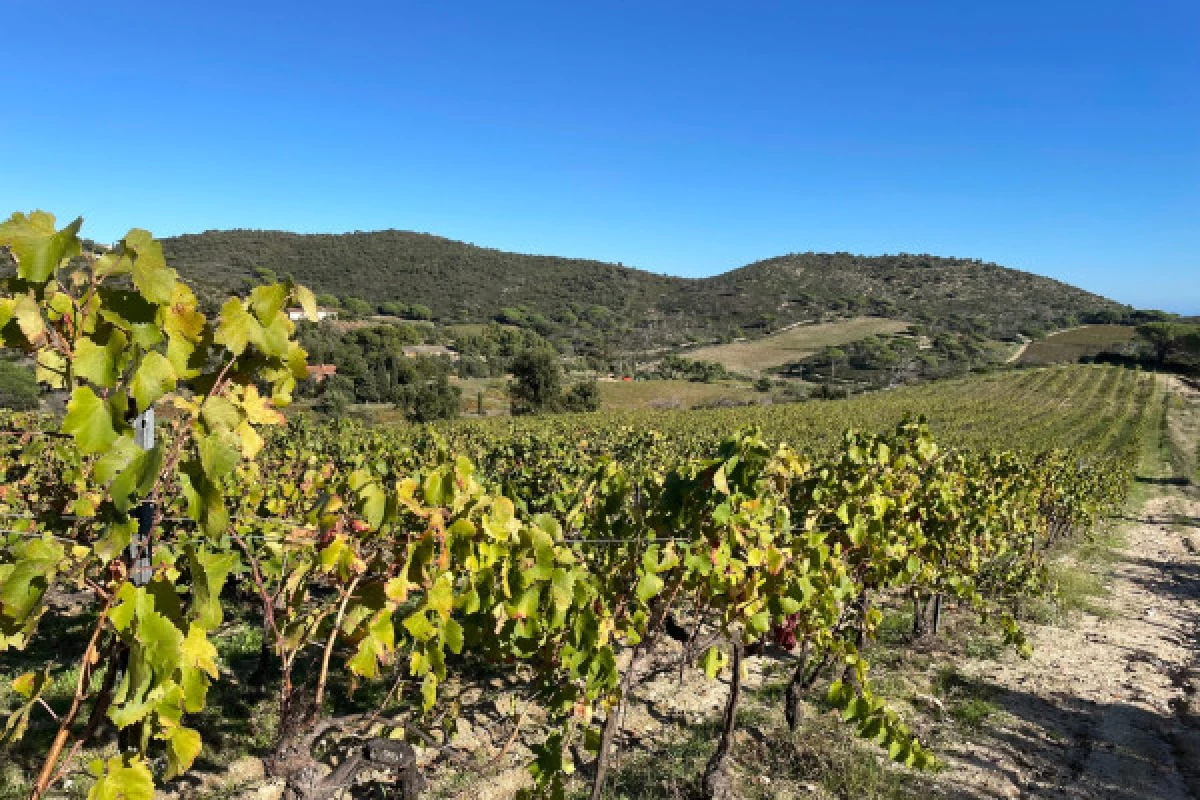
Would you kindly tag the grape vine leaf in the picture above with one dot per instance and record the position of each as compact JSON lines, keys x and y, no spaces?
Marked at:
{"x":89,"y":420}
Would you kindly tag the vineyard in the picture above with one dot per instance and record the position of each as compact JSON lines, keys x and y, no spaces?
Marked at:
{"x":369,"y":584}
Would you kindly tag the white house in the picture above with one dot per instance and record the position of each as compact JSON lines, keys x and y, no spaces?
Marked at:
{"x":297,"y":314}
{"x":430,"y":351}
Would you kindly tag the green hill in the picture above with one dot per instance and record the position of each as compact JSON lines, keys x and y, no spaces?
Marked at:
{"x":589,"y":300}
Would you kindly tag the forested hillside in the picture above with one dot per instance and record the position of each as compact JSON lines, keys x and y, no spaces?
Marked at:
{"x":577,"y":298}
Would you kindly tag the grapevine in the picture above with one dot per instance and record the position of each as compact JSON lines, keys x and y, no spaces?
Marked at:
{"x":559,"y":554}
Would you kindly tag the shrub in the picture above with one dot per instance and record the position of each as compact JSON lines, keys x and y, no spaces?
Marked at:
{"x":18,"y":387}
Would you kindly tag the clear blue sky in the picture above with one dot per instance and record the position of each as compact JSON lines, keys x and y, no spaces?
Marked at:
{"x":1057,"y":137}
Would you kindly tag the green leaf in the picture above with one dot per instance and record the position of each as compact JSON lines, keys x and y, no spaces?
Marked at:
{"x":527,"y":605}
{"x":198,"y":664}
{"x":373,"y":503}
{"x":183,"y":745}
{"x":162,"y":641}
{"x":38,"y":248}
{"x":100,"y":363}
{"x":220,"y":415}
{"x":365,"y":662}
{"x":562,"y":588}
{"x":760,"y":622}
{"x":209,"y":572}
{"x":137,"y":477}
{"x":420,"y":627}
{"x":30,"y":684}
{"x":122,"y":778}
{"x":267,"y":300}
{"x":218,"y":455}
{"x":649,"y":586}
{"x":713,"y":661}
{"x":154,"y":377}
{"x":788,"y":605}
{"x":429,"y":690}
{"x":89,"y":420}
{"x":441,"y":598}
{"x":452,"y":633}
{"x":23,"y":584}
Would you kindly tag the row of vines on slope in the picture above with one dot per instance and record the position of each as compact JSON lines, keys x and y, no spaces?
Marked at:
{"x":414,"y":560}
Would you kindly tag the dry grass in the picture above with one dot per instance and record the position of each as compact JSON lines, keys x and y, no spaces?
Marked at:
{"x":622,"y":395}
{"x":794,"y":344}
{"x":1072,"y":345}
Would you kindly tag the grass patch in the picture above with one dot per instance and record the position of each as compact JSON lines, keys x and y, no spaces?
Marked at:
{"x":968,"y":700}
{"x":895,"y":628}
{"x":1078,"y":590}
{"x":1102,"y":547}
{"x":983,"y":646}
{"x":671,"y":772}
{"x":973,"y":713}
{"x":825,"y":753}
{"x":822,"y":758}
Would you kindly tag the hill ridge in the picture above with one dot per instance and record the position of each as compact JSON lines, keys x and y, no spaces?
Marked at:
{"x":465,"y":282}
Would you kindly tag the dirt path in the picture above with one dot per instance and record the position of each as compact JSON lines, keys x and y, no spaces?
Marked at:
{"x":1106,"y":707}
{"x":1020,"y":351}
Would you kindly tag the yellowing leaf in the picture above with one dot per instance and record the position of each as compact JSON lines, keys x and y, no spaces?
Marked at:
{"x":251,"y":442}
{"x":267,"y":300}
{"x":441,"y":598}
{"x":259,"y":409}
{"x":238,"y":329}
{"x":719,"y":481}
{"x":307,"y":301}
{"x":183,"y":745}
{"x":122,"y":778}
{"x":197,"y":652}
{"x":151,"y":275}
{"x":38,"y":248}
{"x":29,"y":319}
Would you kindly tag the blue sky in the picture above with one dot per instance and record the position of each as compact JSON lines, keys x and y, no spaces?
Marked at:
{"x":689,"y":138}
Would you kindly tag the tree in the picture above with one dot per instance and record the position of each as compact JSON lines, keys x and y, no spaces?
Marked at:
{"x":430,"y":400}
{"x":392,"y":308}
{"x":418,"y":311}
{"x":834,"y":355}
{"x":537,"y":382}
{"x":357,"y":306}
{"x":583,"y":396}
{"x":1175,"y":344}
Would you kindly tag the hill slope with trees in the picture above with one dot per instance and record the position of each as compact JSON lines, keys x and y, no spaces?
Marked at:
{"x":587,"y":300}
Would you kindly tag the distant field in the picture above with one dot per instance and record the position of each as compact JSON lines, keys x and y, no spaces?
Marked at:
{"x":1070,"y":346}
{"x":792,"y":345}
{"x":638,"y":395}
